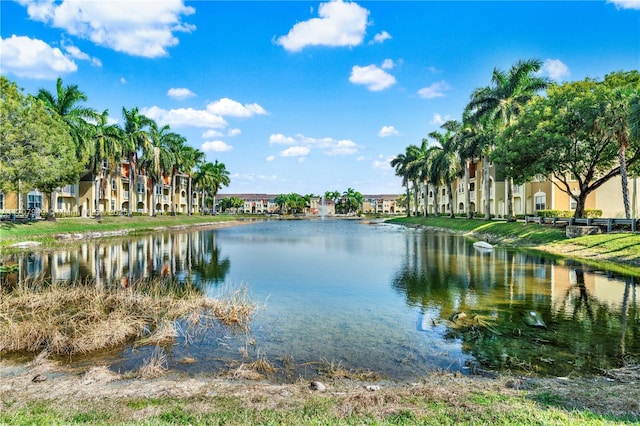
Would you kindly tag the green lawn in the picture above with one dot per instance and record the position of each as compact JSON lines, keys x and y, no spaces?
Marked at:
{"x":45,"y":231}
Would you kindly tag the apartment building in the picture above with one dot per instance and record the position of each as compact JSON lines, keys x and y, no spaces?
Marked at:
{"x":108,"y":193}
{"x":538,"y":194}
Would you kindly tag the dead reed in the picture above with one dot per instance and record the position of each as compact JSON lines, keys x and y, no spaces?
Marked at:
{"x":82,"y":317}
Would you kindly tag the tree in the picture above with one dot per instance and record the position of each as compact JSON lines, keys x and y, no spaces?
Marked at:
{"x":106,"y":147}
{"x":444,"y":163}
{"x":406,"y":167}
{"x":568,"y":135}
{"x":159,"y":157}
{"x":220,"y":179}
{"x":135,"y":138}
{"x":190,"y":159}
{"x":618,"y":120}
{"x":503,"y":101}
{"x":37,"y":149}
{"x":352,"y":199}
{"x":67,"y":103}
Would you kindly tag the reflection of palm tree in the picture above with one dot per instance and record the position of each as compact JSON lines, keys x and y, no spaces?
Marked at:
{"x":208,"y":263}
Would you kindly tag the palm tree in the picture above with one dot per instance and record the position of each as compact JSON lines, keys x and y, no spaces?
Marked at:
{"x":503,"y":101}
{"x":106,"y":150}
{"x":468,"y":144}
{"x":444,"y":163}
{"x":220,"y":179}
{"x":135,"y":138}
{"x":406,"y":167}
{"x":158,"y":158}
{"x":191,"y":159}
{"x":204,"y":180}
{"x":352,"y":198}
{"x":67,"y":103}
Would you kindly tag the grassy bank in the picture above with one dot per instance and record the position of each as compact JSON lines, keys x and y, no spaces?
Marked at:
{"x":101,"y":397}
{"x":615,"y":251}
{"x":45,"y":232}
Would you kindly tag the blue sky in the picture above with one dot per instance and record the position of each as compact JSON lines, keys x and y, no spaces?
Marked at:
{"x":297,"y":96}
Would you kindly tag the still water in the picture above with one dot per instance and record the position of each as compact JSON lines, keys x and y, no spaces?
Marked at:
{"x":374,"y":297}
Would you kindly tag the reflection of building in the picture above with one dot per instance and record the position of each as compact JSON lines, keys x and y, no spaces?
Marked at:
{"x":568,"y":283}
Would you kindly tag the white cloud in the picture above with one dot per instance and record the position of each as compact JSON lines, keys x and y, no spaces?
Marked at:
{"x":233,"y":132}
{"x":439,"y":119}
{"x":388,"y":64}
{"x":436,"y":90}
{"x":381,"y":37}
{"x":216,"y":146}
{"x":230,"y":108}
{"x":295,"y":151}
{"x":180,"y":93}
{"x":135,"y":27}
{"x":270,"y":158}
{"x":388,"y":131}
{"x":555,"y":69}
{"x":626,"y":4}
{"x":376,"y":79}
{"x":123,"y":80}
{"x":76,"y":53}
{"x":185,"y":117}
{"x":339,"y":24}
{"x":342,"y":147}
{"x":382,"y":164}
{"x":279,"y":138}
{"x":212,"y":134}
{"x":32,"y":58}
{"x":329,"y":146}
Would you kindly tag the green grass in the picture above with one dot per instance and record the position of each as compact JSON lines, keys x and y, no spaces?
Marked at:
{"x":45,"y":232}
{"x":515,"y":233}
{"x":476,"y":408}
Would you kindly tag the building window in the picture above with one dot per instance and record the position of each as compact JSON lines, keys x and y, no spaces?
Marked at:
{"x":1,"y":201}
{"x":540,"y":199}
{"x":113,"y":185}
{"x":140,"y":186}
{"x":60,"y":203}
{"x":472,"y":186}
{"x":113,"y":205}
{"x":158,"y":190}
{"x":572,"y":203}
{"x":34,"y":200}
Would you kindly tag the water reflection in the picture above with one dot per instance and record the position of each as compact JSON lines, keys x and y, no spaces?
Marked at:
{"x":592,"y":317}
{"x":193,"y":255}
{"x":376,"y":297}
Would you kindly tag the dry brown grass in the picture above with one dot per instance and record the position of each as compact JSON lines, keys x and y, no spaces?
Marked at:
{"x":72,"y":318}
{"x":154,"y":366}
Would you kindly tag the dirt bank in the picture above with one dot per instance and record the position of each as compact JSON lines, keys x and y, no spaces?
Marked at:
{"x":98,"y":388}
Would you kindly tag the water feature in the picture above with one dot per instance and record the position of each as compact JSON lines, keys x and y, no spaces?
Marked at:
{"x":372,"y":296}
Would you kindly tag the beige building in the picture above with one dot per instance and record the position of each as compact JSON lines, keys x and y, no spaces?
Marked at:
{"x":538,"y":194}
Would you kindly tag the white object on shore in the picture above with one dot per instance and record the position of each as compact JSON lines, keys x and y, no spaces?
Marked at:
{"x":483,"y":245}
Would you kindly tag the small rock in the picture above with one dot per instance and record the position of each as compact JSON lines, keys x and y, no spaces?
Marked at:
{"x":39,"y":378}
{"x":372,"y":388}
{"x":317,"y":386}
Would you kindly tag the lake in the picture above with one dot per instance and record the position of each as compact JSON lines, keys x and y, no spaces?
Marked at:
{"x":372,"y":297}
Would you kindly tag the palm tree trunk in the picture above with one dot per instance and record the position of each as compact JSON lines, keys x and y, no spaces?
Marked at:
{"x":132,"y":182}
{"x":408,"y":201}
{"x":510,"y":216}
{"x":625,"y":181}
{"x":415,"y":198}
{"x":467,"y":193}
{"x":173,"y":194}
{"x":487,"y":188}
{"x":189,"y":197}
{"x":451,"y":207}
{"x":425,"y":198}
